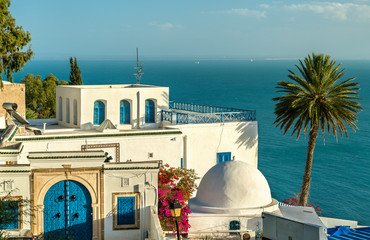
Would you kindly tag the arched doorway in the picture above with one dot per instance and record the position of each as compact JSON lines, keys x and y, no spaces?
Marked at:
{"x":67,"y":212}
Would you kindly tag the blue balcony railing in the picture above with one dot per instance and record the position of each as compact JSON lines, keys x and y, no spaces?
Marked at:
{"x":197,"y":113}
{"x":202,"y":108}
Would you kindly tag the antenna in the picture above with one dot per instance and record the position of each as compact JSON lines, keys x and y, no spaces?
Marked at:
{"x":138,"y":68}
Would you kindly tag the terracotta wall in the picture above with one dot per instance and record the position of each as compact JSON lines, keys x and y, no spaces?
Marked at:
{"x":13,"y":93}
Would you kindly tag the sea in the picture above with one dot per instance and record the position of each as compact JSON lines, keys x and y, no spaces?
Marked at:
{"x":341,"y":168}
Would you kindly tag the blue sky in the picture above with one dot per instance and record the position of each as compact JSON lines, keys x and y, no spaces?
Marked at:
{"x":169,"y":29}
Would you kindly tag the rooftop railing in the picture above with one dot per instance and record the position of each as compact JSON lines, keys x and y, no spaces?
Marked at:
{"x":197,"y":113}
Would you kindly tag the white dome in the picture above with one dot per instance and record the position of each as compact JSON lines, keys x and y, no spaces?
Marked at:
{"x":232,"y":185}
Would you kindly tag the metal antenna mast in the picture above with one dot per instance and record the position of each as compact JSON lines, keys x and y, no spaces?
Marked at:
{"x":138,"y":67}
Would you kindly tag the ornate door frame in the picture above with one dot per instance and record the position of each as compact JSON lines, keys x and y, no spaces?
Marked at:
{"x":91,"y":178}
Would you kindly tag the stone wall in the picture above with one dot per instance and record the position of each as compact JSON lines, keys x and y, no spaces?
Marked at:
{"x":13,"y":93}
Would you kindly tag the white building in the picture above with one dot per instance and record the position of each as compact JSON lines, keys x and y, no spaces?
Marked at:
{"x":230,"y":201}
{"x":135,"y":128}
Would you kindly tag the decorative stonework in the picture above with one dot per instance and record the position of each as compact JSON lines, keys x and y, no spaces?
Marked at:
{"x":100,"y":146}
{"x":91,"y":178}
{"x":136,"y":224}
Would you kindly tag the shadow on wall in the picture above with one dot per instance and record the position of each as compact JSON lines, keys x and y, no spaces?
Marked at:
{"x":165,"y":98}
{"x":80,"y":231}
{"x":248,"y":135}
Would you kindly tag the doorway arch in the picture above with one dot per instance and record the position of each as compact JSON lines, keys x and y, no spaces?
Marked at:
{"x":67,"y":211}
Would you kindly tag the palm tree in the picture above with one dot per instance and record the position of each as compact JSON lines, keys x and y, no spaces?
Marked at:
{"x":316,"y":100}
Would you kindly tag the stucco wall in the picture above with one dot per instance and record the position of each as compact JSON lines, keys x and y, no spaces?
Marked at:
{"x":166,"y":147}
{"x":13,"y":93}
{"x":111,"y":95}
{"x":62,"y":94}
{"x":19,"y":186}
{"x":204,"y":141}
{"x":144,"y":182}
{"x":213,"y":225}
{"x":198,"y":145}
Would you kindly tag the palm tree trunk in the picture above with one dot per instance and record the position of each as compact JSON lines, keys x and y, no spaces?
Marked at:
{"x":307,"y":171}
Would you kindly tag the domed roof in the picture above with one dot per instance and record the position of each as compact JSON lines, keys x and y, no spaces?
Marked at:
{"x":233,"y":185}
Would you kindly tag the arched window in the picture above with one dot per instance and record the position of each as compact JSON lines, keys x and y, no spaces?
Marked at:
{"x":149,"y":111}
{"x":99,"y":112}
{"x":75,"y":112}
{"x":60,"y":109}
{"x":124,"y":112}
{"x":68,"y":114}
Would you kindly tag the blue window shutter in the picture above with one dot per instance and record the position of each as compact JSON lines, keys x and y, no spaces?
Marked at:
{"x":124,"y":112}
{"x":182,"y":163}
{"x":223,"y":157}
{"x":121,"y":114}
{"x":125,"y":210}
{"x":149,"y":111}
{"x":11,"y":213}
{"x":127,"y":113}
{"x":96,"y":115}
{"x":99,"y":112}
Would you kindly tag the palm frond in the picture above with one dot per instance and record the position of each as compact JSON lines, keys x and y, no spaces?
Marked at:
{"x":316,"y":96}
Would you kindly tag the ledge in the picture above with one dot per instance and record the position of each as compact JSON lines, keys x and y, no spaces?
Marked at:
{"x":20,"y":139}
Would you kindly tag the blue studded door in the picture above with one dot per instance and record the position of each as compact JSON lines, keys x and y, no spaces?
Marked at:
{"x":67,"y":212}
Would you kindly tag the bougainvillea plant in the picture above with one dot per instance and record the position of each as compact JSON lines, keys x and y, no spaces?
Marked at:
{"x":175,"y":184}
{"x":294,"y":202}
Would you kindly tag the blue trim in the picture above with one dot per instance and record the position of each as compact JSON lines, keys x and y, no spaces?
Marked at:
{"x":182,"y":163}
{"x":125,"y":210}
{"x":223,"y":157}
{"x":99,"y":112}
{"x":124,"y":112}
{"x":149,"y":111}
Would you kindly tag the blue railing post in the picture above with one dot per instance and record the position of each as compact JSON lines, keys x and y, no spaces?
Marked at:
{"x":222,"y":117}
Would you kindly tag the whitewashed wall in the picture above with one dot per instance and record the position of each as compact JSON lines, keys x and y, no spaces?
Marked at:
{"x":111,"y":95}
{"x":19,"y":186}
{"x":142,"y":181}
{"x":166,"y":147}
{"x":204,"y":141}
{"x":213,"y":225}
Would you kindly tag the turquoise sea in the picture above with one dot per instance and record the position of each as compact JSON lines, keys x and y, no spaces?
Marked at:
{"x":341,"y":170}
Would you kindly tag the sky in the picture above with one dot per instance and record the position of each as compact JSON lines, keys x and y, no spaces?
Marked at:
{"x":195,"y":29}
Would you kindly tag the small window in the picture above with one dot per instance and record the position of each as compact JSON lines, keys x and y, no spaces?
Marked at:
{"x":149,"y":111}
{"x":223,"y":157}
{"x":234,"y":225}
{"x":99,"y":112}
{"x":124,"y":112}
{"x":126,"y":211}
{"x":11,"y":215}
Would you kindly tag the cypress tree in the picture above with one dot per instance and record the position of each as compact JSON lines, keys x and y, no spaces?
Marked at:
{"x":75,"y":75}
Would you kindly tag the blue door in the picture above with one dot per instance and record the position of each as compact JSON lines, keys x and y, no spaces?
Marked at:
{"x":67,"y":212}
